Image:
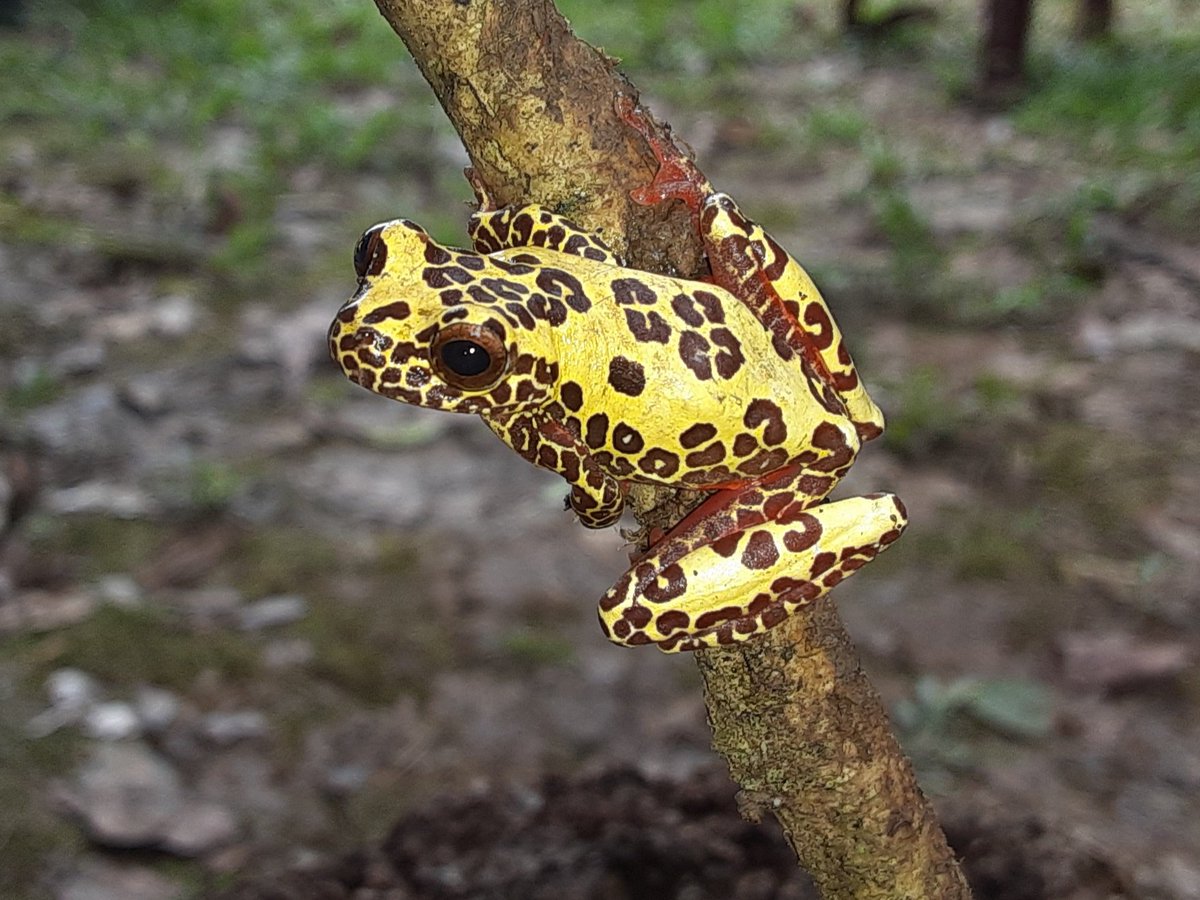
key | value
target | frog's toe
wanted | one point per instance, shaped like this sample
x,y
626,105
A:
x,y
720,215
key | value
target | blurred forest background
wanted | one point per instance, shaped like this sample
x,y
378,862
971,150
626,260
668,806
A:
x,y
250,614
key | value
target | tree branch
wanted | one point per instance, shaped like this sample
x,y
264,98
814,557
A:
x,y
804,733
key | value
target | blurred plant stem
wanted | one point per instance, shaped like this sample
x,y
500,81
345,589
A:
x,y
803,731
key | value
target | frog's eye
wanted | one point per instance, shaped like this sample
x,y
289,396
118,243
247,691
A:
x,y
467,356
370,253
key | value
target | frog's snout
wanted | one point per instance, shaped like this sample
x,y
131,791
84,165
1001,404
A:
x,y
360,350
340,337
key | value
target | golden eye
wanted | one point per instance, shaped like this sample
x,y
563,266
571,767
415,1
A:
x,y
470,357
370,253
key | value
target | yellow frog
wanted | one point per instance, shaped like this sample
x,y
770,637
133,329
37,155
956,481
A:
x,y
609,375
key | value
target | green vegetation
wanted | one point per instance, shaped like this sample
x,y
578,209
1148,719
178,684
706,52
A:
x,y
29,832
687,38
529,648
212,486
214,102
274,560
992,544
88,547
945,726
133,76
916,259
1060,234
356,648
371,636
367,648
39,389
1075,478
383,641
128,647
1097,481
218,88
923,413
1132,107
836,123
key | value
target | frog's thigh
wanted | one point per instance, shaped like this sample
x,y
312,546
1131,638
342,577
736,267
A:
x,y
748,581
534,226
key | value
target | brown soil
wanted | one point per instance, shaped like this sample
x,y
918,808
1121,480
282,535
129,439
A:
x,y
618,835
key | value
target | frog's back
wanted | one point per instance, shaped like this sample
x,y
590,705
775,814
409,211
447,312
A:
x,y
669,380
670,325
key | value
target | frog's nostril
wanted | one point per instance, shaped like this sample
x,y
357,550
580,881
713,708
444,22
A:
x,y
368,338
362,349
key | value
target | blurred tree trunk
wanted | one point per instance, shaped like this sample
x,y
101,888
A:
x,y
851,14
12,13
1002,55
803,731
1095,20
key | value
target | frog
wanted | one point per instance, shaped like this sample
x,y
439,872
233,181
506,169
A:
x,y
739,384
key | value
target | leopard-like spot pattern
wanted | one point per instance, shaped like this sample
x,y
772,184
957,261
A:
x,y
741,385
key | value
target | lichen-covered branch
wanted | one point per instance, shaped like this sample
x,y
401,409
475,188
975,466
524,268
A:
x,y
807,738
533,106
804,733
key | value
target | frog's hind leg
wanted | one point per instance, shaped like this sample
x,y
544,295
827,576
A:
x,y
491,230
736,573
749,263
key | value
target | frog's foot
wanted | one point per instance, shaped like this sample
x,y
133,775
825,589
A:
x,y
598,502
708,587
493,228
677,177
596,497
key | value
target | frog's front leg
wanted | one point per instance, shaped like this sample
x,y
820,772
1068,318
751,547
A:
x,y
596,497
747,565
491,229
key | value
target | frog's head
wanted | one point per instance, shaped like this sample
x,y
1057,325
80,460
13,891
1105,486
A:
x,y
411,332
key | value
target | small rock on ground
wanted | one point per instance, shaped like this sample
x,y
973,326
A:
x,y
96,879
126,795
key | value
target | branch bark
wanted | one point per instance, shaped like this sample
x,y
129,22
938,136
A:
x,y
803,732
